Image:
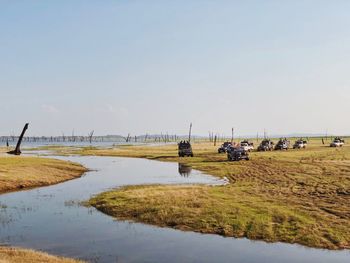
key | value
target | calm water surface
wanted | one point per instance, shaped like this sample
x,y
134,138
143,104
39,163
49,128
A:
x,y
50,219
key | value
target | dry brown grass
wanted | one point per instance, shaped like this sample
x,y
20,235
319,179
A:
x,y
20,172
17,255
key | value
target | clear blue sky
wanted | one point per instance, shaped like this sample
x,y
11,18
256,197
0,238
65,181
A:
x,y
154,66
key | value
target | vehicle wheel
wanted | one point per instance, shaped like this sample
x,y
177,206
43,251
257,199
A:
x,y
191,155
247,159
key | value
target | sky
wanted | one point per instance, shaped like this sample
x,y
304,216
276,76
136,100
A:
x,y
119,67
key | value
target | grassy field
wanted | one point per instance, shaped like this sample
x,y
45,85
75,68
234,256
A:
x,y
16,255
294,196
19,172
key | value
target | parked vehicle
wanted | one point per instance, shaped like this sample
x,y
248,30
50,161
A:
x,y
266,145
248,146
237,154
224,147
337,142
300,144
283,144
185,149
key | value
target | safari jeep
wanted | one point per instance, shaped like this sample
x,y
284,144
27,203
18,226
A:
x,y
283,144
224,147
337,142
248,146
266,145
237,154
300,144
185,149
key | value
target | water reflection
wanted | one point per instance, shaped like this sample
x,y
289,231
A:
x,y
185,170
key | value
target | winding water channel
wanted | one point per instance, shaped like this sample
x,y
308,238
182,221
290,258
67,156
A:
x,y
50,219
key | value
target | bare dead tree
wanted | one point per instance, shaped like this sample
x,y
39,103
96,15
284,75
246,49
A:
x,y
90,136
127,139
17,151
73,136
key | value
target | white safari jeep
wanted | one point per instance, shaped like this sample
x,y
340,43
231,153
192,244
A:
x,y
247,146
337,142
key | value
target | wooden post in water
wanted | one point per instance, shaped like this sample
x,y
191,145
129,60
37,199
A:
x,y
17,151
90,136
233,130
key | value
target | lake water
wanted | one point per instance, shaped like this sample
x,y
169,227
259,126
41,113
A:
x,y
51,219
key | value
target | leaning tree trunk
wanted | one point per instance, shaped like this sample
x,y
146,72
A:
x,y
17,151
